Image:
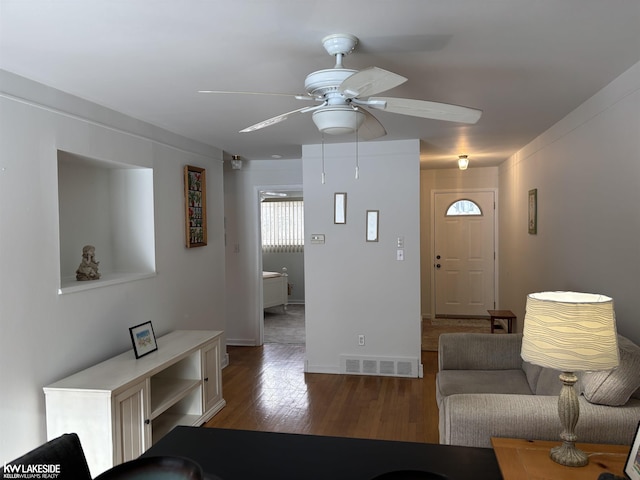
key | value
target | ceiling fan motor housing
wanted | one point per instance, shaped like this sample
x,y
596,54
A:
x,y
321,82
338,117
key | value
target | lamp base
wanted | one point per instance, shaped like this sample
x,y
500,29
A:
x,y
569,410
567,454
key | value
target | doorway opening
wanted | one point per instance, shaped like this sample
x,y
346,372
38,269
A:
x,y
281,253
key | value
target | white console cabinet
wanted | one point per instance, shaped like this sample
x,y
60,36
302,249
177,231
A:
x,y
121,406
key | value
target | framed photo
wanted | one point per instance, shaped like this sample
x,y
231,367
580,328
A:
x,y
195,202
372,225
340,208
143,339
533,211
632,466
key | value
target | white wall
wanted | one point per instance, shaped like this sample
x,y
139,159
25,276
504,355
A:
x,y
587,172
243,266
45,336
354,287
443,179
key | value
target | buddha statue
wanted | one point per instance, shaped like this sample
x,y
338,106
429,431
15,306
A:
x,y
88,269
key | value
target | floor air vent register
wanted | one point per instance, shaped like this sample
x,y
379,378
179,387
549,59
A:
x,y
397,367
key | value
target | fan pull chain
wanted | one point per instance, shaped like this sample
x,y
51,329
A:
x,y
357,161
323,174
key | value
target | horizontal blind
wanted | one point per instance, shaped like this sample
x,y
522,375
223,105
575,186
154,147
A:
x,y
282,226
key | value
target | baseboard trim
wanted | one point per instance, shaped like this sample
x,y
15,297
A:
x,y
240,342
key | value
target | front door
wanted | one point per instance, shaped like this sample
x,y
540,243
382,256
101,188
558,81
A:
x,y
464,262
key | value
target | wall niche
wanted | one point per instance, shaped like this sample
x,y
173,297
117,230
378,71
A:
x,y
108,205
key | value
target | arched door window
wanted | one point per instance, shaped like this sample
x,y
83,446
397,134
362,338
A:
x,y
463,208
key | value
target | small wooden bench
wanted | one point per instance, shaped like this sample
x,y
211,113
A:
x,y
502,315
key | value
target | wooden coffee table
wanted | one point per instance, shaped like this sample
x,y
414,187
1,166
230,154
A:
x,y
529,460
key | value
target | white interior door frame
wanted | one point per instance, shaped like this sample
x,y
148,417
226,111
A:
x,y
259,190
432,247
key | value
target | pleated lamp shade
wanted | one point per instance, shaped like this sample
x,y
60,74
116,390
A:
x,y
570,331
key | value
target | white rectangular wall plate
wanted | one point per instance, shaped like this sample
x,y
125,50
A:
x,y
317,238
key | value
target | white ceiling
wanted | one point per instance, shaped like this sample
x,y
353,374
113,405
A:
x,y
525,63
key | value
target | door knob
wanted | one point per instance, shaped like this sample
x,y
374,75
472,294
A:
x,y
437,265
438,257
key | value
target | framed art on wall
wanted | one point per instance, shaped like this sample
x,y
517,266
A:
x,y
340,208
143,339
195,200
372,225
533,211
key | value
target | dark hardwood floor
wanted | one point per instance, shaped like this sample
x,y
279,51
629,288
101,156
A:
x,y
266,389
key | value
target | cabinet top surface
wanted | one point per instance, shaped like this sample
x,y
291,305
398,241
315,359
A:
x,y
124,369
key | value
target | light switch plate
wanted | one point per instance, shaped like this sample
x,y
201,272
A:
x,y
317,238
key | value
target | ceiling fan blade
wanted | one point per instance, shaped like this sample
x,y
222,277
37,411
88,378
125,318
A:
x,y
229,92
370,81
280,118
371,128
271,121
425,109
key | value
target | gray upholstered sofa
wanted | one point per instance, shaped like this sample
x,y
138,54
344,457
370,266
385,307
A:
x,y
484,390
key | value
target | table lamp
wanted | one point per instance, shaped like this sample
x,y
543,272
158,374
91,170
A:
x,y
569,332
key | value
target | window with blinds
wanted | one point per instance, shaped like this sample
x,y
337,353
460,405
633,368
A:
x,y
282,225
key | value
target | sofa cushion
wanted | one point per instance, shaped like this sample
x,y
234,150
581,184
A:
x,y
549,382
452,382
615,387
532,372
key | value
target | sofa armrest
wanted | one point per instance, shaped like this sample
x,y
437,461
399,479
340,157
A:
x,y
472,419
479,351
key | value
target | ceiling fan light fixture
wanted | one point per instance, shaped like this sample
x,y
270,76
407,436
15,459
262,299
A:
x,y
338,120
463,162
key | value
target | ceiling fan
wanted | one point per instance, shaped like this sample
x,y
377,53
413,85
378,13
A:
x,y
344,93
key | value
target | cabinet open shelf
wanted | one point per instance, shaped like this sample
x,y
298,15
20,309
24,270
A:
x,y
165,423
166,392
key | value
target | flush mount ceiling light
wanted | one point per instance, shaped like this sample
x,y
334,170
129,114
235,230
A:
x,y
463,162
